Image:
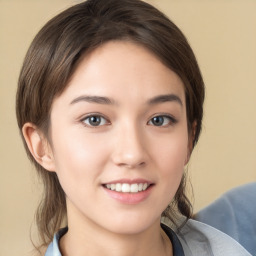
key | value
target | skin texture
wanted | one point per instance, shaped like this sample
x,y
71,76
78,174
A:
x,y
126,144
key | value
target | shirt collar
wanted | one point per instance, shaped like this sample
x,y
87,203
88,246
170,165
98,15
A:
x,y
53,248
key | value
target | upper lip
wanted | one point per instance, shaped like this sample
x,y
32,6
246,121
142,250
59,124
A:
x,y
129,181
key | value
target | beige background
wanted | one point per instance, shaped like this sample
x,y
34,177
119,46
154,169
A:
x,y
223,36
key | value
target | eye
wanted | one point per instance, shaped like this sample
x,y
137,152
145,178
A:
x,y
162,121
95,120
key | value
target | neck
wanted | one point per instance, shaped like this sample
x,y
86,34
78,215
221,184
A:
x,y
89,239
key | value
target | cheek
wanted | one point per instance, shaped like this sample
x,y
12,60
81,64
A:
x,y
79,163
171,159
78,157
172,153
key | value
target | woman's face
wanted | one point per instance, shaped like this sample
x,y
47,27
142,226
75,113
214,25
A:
x,y
120,139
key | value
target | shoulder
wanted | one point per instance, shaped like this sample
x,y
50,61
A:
x,y
226,215
200,239
230,203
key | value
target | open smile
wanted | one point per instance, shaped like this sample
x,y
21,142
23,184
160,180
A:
x,y
128,191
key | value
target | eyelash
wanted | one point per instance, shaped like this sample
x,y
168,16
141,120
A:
x,y
99,118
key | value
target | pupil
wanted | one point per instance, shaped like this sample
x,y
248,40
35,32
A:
x,y
94,120
158,120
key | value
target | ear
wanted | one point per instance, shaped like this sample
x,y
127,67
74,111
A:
x,y
191,141
38,146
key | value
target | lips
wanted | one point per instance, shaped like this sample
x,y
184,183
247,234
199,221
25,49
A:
x,y
128,191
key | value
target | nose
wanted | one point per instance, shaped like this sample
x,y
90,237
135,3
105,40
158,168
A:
x,y
129,148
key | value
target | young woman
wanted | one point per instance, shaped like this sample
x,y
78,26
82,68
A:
x,y
109,103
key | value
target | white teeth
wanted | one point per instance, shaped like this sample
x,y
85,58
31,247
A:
x,y
128,188
118,187
125,188
134,188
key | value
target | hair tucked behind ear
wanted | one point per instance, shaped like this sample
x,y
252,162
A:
x,y
57,50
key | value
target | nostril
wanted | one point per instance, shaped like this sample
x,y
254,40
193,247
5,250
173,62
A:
x,y
132,165
139,164
142,164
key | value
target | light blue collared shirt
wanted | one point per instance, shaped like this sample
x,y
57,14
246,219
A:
x,y
53,248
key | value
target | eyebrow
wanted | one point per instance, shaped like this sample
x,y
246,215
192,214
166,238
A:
x,y
94,99
109,101
165,98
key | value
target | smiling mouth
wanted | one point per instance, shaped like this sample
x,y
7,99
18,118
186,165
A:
x,y
127,188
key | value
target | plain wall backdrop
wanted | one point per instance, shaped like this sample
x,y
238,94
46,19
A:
x,y
222,34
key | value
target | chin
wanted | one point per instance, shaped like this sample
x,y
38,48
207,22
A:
x,y
132,225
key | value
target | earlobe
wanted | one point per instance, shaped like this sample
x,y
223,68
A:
x,y
38,146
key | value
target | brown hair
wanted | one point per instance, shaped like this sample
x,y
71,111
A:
x,y
55,53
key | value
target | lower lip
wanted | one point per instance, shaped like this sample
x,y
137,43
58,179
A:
x,y
129,198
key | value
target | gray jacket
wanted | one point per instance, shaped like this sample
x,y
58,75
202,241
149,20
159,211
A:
x,y
199,239
234,213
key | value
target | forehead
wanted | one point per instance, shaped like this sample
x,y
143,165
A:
x,y
120,66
